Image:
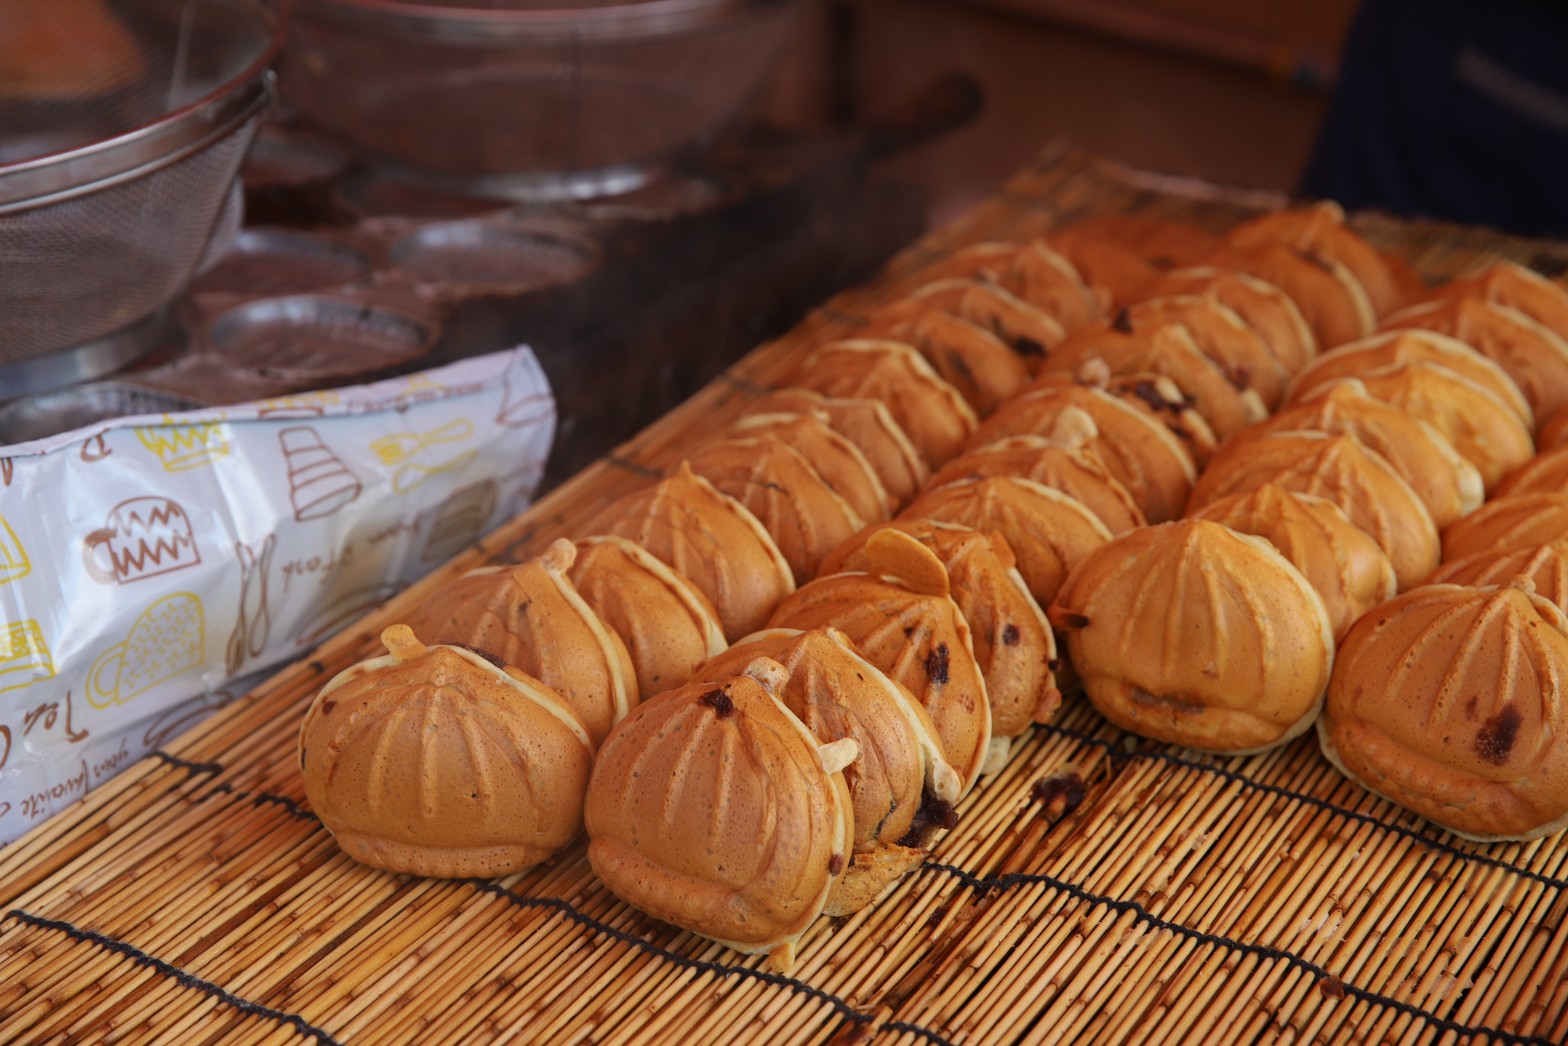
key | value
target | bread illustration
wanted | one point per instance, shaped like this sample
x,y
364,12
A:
x,y
24,656
319,483
166,641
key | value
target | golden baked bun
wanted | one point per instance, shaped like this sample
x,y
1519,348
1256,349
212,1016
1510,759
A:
x,y
977,363
1027,329
1191,633
1164,243
1320,230
1222,335
804,515
712,807
1391,348
842,465
1048,531
1544,566
1529,352
532,617
900,772
1152,394
1547,472
1148,459
901,618
709,538
869,425
1013,644
1553,431
1264,307
433,761
1067,462
1341,561
1445,482
1471,735
1509,283
1116,275
1509,522
1340,469
1039,275
935,417
1169,351
667,624
1331,299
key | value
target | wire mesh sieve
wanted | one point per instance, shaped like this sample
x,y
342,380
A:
x,y
122,126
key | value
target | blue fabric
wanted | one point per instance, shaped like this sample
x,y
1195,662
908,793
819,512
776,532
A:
x,y
1454,109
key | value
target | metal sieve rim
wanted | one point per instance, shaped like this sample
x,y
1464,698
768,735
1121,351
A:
x,y
650,19
45,180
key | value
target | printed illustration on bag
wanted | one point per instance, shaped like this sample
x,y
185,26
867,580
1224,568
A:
x,y
343,609
95,448
24,656
173,721
180,448
319,482
253,623
166,641
459,521
13,557
522,403
143,537
416,456
7,471
301,405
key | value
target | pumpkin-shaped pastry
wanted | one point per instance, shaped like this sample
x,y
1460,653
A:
x,y
1154,395
1026,329
1013,644
1392,348
1223,336
900,772
869,425
1116,275
433,761
532,617
806,517
712,807
1169,351
1191,633
1547,473
841,464
1067,462
1509,522
709,538
667,624
1509,283
1163,242
1448,701
1320,230
1264,307
1048,531
1045,279
977,363
935,417
902,619
1342,562
1446,483
1340,469
1148,459
1544,566
1529,352
1331,299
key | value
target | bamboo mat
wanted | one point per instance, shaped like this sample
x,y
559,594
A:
x,y
1100,888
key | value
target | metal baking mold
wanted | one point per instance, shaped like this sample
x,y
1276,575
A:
x,y
494,255
48,413
279,261
327,339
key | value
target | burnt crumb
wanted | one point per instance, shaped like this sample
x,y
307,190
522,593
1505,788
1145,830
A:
x,y
317,666
1181,432
327,706
304,758
1497,736
936,664
1027,347
961,366
1064,790
1071,619
1055,664
835,864
1122,321
1010,635
1332,988
719,701
1149,393
934,813
935,918
484,654
1316,259
1239,377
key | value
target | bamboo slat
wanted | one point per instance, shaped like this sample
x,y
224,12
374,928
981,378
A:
x,y
1184,898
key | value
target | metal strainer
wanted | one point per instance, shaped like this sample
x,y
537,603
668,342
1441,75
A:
x,y
122,127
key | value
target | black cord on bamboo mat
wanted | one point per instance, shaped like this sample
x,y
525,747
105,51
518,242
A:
x,y
1120,754
636,469
185,978
986,883
186,764
776,980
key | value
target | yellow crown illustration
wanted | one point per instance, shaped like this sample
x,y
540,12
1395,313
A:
x,y
304,404
13,557
24,656
181,447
